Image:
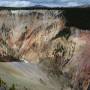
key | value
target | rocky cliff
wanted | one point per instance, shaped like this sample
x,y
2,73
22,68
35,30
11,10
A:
x,y
24,33
40,36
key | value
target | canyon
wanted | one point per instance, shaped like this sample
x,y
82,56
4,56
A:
x,y
45,49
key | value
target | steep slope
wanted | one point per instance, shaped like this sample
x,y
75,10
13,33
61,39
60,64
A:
x,y
60,53
24,33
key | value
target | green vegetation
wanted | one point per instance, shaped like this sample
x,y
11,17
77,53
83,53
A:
x,y
12,87
4,85
2,82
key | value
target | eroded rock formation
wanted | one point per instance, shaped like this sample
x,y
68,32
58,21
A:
x,y
41,36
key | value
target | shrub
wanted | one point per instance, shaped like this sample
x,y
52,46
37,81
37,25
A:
x,y
12,87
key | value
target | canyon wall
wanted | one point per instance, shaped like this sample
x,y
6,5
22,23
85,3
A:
x,y
24,33
41,36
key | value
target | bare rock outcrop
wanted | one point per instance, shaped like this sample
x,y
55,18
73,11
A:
x,y
41,36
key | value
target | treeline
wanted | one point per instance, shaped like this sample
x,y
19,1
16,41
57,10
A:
x,y
44,7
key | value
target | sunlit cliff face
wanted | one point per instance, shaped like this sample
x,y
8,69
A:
x,y
42,36
28,32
